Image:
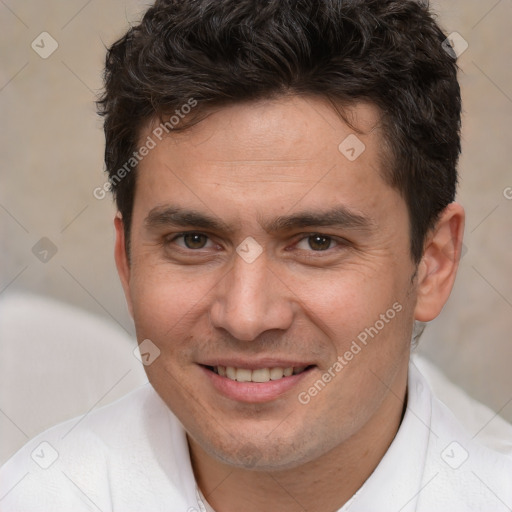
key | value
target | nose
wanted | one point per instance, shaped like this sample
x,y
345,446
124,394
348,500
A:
x,y
250,300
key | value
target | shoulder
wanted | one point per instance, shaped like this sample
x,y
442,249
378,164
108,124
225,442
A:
x,y
469,460
106,459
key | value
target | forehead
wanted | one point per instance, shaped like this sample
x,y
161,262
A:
x,y
279,127
269,153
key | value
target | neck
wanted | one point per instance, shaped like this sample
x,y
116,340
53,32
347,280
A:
x,y
324,484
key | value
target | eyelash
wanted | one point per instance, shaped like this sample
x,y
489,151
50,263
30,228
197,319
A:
x,y
340,242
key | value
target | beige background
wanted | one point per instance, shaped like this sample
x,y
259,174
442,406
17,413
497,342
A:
x,y
52,146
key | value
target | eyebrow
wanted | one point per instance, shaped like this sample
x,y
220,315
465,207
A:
x,y
338,217
178,217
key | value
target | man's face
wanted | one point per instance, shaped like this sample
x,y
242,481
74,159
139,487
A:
x,y
327,262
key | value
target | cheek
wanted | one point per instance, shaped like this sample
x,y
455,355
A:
x,y
165,302
350,299
368,325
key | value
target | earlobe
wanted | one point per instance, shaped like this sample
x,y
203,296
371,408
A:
x,y
121,258
439,264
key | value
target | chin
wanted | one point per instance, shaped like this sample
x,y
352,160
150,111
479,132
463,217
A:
x,y
278,454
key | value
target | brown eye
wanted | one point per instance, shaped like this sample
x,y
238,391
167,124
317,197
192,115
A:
x,y
195,240
319,242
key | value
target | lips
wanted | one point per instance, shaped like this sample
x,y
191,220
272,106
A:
x,y
264,381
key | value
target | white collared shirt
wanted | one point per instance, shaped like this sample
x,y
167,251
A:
x,y
132,456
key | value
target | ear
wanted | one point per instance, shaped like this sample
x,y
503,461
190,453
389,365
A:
x,y
439,264
122,263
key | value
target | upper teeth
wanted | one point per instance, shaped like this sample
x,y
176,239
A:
x,y
259,375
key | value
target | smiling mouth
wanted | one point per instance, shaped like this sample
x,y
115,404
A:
x,y
259,375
